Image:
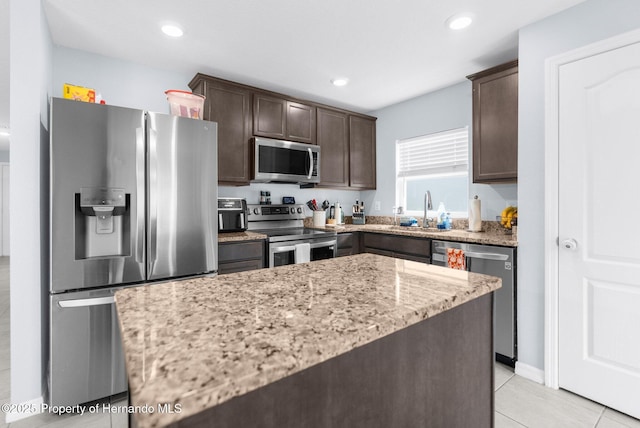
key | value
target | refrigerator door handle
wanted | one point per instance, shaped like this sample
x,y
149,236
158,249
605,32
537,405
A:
x,y
82,303
153,199
140,192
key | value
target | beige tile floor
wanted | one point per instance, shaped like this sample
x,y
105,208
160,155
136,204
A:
x,y
519,402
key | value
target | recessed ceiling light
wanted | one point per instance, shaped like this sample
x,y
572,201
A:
x,y
172,30
340,81
459,21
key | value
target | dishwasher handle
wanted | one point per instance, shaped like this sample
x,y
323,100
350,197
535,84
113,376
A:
x,y
486,256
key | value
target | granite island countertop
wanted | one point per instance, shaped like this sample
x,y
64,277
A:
x,y
200,342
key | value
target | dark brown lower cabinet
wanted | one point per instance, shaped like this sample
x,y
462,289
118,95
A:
x,y
240,256
436,373
401,247
348,244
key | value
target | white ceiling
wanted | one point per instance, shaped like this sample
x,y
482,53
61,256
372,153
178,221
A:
x,y
389,51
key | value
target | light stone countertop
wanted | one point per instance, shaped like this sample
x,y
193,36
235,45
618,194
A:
x,y
489,237
201,342
240,236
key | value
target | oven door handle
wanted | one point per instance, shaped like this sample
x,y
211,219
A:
x,y
323,244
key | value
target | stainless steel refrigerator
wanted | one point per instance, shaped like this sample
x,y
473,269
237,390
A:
x,y
133,199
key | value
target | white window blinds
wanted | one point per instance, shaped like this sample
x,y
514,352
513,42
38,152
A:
x,y
440,153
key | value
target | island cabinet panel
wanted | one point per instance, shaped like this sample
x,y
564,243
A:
x,y
240,256
229,105
495,124
436,373
416,249
348,244
333,139
362,152
275,117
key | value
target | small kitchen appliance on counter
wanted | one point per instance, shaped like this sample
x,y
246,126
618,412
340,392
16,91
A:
x,y
289,242
232,215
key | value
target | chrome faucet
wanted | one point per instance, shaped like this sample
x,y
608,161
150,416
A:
x,y
428,205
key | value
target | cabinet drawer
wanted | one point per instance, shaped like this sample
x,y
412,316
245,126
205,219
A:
x,y
379,252
398,244
234,251
239,266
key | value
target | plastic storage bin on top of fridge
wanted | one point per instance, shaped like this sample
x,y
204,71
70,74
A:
x,y
185,104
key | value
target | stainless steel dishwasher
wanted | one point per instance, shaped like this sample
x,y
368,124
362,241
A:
x,y
495,261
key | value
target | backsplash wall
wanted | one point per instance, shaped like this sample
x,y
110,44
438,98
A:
x,y
251,193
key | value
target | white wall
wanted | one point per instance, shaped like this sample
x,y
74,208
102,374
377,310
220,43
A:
x,y
445,109
586,23
120,83
30,71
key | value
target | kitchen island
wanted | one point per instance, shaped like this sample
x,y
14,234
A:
x,y
364,340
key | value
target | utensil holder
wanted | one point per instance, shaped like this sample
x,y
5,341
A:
x,y
319,218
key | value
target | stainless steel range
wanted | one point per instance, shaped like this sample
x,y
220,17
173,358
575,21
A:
x,y
289,242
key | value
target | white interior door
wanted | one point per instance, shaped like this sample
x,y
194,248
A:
x,y
599,206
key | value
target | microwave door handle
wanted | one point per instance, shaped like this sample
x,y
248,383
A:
x,y
310,163
220,222
241,220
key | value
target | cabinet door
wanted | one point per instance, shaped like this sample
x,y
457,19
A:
x,y
269,116
333,139
362,152
495,126
301,123
230,106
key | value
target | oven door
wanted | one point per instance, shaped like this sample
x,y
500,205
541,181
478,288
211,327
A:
x,y
294,252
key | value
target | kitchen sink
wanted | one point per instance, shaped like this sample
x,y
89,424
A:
x,y
418,229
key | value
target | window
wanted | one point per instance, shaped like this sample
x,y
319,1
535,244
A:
x,y
436,162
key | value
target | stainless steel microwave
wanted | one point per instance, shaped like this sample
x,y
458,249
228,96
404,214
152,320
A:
x,y
285,161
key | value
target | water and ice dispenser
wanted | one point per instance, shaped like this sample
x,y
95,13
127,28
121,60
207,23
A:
x,y
102,222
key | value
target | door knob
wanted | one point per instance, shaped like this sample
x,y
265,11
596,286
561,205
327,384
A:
x,y
570,244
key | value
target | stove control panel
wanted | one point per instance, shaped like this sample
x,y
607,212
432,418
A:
x,y
275,212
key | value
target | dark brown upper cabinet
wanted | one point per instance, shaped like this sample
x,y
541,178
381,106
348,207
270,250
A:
x,y
362,152
229,105
333,139
495,124
347,139
275,117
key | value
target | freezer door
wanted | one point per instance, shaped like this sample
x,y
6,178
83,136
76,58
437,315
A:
x,y
86,361
182,196
97,173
